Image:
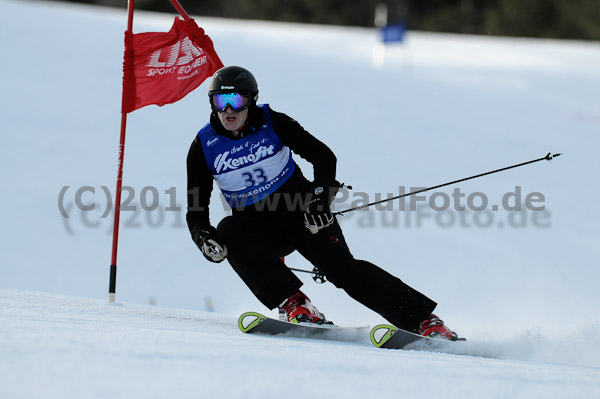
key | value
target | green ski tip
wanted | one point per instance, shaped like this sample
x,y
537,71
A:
x,y
249,320
381,333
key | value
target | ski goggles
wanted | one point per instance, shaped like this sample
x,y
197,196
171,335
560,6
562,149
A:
x,y
238,102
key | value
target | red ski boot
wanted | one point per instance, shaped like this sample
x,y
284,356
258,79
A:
x,y
298,309
434,327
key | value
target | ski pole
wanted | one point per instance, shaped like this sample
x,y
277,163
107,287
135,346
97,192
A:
x,y
316,274
548,157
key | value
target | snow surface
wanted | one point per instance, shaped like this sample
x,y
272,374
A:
x,y
522,288
55,346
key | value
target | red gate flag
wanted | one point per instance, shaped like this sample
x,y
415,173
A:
x,y
163,67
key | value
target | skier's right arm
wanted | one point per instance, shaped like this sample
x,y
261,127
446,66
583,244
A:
x,y
199,189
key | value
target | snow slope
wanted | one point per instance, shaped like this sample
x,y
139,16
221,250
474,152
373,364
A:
x,y
522,286
56,346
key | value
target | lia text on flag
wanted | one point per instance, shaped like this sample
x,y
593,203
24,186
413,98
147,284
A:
x,y
163,67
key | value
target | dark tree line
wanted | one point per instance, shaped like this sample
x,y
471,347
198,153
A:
x,y
563,19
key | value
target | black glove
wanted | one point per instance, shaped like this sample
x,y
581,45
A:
x,y
210,246
318,214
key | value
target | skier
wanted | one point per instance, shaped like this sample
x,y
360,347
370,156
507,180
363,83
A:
x,y
247,149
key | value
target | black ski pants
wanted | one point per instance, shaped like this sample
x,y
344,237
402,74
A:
x,y
256,241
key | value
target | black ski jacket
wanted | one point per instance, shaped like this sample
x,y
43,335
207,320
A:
x,y
291,134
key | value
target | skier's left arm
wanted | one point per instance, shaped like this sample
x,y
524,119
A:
x,y
317,214
301,142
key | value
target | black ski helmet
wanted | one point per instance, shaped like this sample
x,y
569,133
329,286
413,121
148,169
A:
x,y
234,79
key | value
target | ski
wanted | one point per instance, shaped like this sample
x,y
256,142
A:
x,y
390,337
256,323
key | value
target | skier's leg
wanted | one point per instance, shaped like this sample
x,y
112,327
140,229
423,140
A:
x,y
255,248
370,285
